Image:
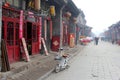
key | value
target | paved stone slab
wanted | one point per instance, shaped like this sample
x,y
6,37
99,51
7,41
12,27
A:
x,y
100,62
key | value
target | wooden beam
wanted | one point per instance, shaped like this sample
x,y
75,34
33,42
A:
x,y
4,56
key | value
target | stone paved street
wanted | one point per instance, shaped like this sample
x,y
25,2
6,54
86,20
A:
x,y
101,62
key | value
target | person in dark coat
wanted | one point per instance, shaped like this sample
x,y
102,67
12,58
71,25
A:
x,y
96,40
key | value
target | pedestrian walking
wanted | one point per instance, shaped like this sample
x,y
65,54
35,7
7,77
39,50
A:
x,y
96,40
112,41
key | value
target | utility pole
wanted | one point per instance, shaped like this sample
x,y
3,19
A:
x,y
61,27
0,30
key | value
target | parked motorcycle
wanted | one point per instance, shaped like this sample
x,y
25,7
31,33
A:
x,y
62,64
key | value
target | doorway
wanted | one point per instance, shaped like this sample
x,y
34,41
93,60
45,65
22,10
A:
x,y
29,37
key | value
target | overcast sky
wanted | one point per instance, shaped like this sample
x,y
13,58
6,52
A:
x,y
100,14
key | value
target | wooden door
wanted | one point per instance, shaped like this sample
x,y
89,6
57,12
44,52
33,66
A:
x,y
11,35
35,42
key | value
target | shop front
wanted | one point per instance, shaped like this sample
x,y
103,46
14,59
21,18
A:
x,y
10,29
30,30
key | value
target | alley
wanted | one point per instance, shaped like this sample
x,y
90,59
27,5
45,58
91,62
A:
x,y
101,62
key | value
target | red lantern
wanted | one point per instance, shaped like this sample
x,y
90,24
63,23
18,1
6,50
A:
x,y
7,4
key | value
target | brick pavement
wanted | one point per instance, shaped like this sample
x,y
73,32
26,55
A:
x,y
105,63
100,62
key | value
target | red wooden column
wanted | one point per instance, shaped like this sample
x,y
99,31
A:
x,y
39,31
21,25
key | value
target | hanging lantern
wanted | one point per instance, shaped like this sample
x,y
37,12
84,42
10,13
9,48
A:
x,y
31,4
68,14
75,20
7,4
37,4
52,10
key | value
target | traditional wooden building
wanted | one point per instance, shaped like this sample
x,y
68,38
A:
x,y
114,31
52,20
64,24
23,19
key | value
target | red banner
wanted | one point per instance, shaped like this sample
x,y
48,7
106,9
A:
x,y
21,25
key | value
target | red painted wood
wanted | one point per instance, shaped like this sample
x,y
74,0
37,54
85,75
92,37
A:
x,y
21,25
35,42
55,43
11,38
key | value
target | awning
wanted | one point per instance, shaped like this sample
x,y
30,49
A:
x,y
72,8
58,2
